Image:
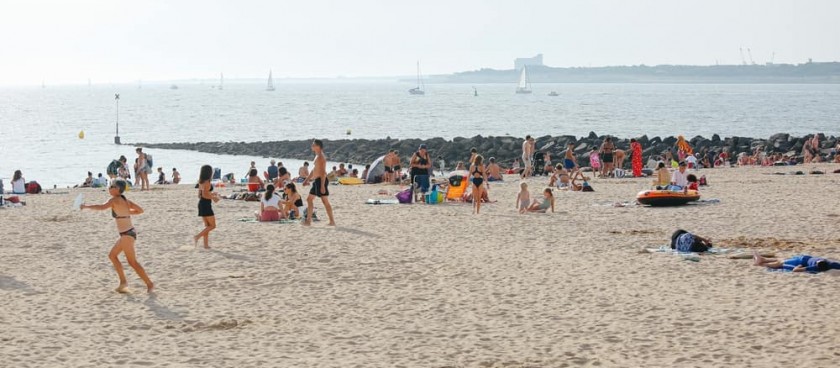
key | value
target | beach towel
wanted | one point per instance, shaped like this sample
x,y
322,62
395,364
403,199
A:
x,y
282,221
382,201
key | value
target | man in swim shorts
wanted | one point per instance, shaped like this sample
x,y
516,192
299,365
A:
x,y
569,161
527,153
320,189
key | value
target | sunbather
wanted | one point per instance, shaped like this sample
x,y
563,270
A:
x,y
685,241
798,263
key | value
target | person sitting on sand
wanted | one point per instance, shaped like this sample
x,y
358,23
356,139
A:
x,y
544,204
342,172
515,167
283,177
88,181
101,181
684,241
121,210
365,173
663,176
560,178
354,173
333,175
161,177
18,183
272,171
798,263
176,176
583,186
254,181
494,171
523,198
303,172
692,182
679,178
269,206
293,202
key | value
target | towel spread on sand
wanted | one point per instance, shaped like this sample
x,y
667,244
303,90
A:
x,y
283,221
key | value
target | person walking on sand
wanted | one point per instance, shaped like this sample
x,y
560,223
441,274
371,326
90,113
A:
x,y
122,209
206,197
320,184
527,154
477,174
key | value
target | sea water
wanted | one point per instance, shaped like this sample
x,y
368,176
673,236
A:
x,y
40,126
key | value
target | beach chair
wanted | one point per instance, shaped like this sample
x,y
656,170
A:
x,y
458,183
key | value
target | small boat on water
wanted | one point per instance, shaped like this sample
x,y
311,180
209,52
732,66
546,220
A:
x,y
270,86
554,94
524,84
420,86
174,86
665,198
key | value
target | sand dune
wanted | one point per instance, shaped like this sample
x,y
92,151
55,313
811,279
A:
x,y
428,285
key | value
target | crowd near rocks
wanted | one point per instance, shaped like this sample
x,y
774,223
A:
x,y
504,148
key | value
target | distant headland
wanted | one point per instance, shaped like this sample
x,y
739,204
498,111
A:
x,y
810,72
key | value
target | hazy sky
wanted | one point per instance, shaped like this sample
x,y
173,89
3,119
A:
x,y
69,41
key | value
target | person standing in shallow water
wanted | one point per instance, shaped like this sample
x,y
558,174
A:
x,y
206,197
122,209
320,184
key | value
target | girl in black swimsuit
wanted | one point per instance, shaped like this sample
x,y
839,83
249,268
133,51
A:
x,y
121,211
293,201
206,197
477,173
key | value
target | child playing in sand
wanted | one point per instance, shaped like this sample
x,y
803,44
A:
x,y
692,182
523,198
122,209
594,160
546,203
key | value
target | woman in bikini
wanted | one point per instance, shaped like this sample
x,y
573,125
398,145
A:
x,y
121,210
293,201
206,197
477,173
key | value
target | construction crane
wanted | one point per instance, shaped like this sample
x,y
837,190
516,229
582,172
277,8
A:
x,y
749,52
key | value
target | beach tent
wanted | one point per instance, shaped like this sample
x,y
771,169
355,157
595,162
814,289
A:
x,y
377,169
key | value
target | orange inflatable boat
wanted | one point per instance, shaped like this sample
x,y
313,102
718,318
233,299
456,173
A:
x,y
662,198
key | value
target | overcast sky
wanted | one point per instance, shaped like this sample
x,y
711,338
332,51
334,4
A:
x,y
116,41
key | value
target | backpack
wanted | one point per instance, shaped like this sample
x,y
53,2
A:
x,y
114,167
33,187
150,161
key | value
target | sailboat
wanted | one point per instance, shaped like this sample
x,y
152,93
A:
x,y
419,89
270,86
222,82
524,85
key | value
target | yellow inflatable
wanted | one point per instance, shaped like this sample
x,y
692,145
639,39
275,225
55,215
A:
x,y
82,134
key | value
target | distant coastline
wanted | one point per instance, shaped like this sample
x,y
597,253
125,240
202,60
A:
x,y
811,72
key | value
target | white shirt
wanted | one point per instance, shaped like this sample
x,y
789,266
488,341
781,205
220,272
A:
x,y
19,186
679,178
691,159
274,201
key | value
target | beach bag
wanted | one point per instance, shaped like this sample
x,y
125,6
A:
x,y
114,168
619,173
33,187
405,196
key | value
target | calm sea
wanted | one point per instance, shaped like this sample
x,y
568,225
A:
x,y
40,126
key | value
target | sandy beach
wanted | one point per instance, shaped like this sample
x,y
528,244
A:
x,y
429,285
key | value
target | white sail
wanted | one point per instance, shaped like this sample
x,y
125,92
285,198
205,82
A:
x,y
222,81
270,86
524,85
419,90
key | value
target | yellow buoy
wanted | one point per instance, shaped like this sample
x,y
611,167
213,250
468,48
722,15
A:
x,y
82,134
349,132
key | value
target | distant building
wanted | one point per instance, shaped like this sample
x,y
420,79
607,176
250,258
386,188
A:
x,y
518,63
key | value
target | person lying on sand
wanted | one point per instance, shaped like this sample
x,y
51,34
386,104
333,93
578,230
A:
x,y
582,187
684,241
798,263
